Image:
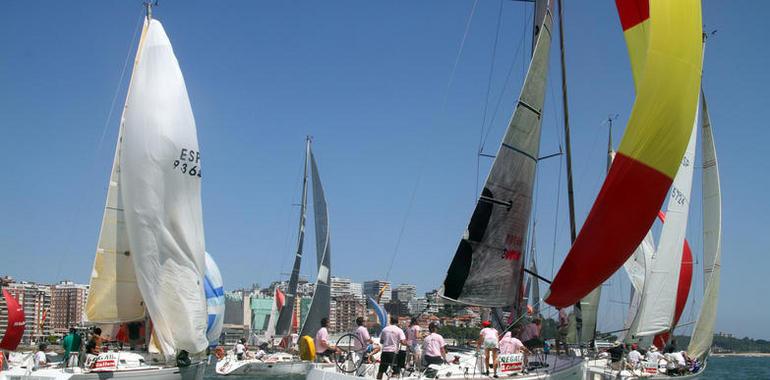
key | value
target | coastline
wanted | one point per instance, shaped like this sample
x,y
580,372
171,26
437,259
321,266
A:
x,y
743,354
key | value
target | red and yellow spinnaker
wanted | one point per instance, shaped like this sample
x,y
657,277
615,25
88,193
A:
x,y
666,54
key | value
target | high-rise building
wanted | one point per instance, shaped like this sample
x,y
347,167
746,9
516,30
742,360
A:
x,y
405,293
344,286
68,301
344,311
373,288
35,299
237,321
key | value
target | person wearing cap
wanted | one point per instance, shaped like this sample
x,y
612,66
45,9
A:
x,y
634,357
616,355
654,356
488,338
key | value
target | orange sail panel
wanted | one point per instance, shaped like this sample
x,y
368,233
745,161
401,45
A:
x,y
15,329
649,155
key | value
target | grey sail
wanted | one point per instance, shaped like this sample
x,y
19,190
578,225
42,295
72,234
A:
x,y
283,326
319,306
488,264
703,333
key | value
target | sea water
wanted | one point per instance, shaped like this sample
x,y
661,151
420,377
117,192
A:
x,y
719,368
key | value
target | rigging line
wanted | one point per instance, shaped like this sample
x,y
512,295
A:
x,y
441,111
117,89
290,237
94,166
506,84
556,217
486,100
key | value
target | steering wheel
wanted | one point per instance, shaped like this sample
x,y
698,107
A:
x,y
348,361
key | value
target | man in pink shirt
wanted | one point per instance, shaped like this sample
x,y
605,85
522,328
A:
x,y
365,344
530,335
390,338
324,350
510,345
435,351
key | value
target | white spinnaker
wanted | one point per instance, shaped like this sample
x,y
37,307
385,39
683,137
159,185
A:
x,y
113,295
703,333
656,312
636,268
160,180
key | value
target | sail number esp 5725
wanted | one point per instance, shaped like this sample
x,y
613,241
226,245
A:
x,y
188,162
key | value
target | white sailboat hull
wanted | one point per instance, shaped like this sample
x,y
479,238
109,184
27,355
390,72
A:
x,y
192,372
599,370
560,368
256,367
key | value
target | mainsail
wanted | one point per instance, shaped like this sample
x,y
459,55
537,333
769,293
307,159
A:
x,y
215,300
113,295
651,150
319,306
656,313
14,330
487,266
160,177
703,333
287,316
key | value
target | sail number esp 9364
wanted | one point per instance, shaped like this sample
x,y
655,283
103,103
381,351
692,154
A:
x,y
188,162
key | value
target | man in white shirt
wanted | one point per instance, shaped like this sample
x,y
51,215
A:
x,y
40,359
634,357
654,356
240,348
390,338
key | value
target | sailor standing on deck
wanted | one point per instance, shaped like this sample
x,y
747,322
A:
x,y
413,341
390,337
488,338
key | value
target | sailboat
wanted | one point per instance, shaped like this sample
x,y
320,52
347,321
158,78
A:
x,y
488,265
282,362
150,258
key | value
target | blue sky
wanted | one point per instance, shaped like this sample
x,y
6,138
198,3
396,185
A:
x,y
395,123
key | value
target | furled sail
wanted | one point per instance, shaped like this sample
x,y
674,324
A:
x,y
215,300
656,313
160,180
487,266
286,318
703,333
650,153
113,294
14,330
319,306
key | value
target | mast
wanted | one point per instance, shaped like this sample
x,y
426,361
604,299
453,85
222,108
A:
x,y
568,152
285,317
609,144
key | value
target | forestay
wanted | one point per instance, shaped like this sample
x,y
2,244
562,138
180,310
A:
x,y
113,295
287,316
488,264
160,181
703,333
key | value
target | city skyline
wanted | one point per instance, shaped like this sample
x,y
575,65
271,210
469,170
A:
x,y
396,111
